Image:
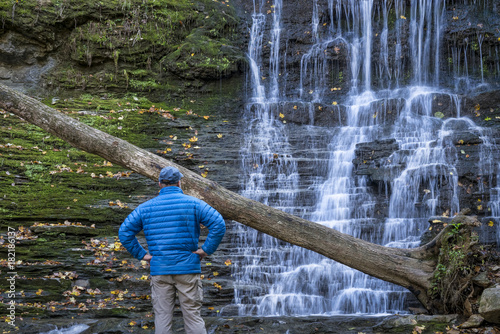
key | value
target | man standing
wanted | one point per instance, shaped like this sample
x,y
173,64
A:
x,y
171,223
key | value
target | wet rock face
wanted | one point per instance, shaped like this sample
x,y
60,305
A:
x,y
465,145
23,61
468,42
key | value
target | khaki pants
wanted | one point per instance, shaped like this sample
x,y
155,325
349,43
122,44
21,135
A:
x,y
189,289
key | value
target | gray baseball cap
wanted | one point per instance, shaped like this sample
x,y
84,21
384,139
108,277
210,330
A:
x,y
170,175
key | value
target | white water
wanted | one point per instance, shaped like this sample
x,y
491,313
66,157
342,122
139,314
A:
x,y
75,329
308,170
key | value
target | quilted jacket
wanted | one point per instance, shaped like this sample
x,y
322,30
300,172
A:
x,y
171,223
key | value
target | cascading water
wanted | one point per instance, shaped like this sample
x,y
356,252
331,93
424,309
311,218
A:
x,y
308,170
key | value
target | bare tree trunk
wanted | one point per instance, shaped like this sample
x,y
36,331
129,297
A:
x,y
410,268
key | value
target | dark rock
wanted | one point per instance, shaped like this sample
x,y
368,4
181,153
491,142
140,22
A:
x,y
489,305
474,321
372,160
482,280
436,225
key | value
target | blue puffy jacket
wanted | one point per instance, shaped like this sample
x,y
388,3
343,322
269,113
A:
x,y
171,223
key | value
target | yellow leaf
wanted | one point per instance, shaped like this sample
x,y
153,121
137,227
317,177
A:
x,y
215,273
334,103
479,207
228,262
206,117
208,264
132,323
204,174
219,135
491,223
193,139
294,107
455,17
403,17
282,116
192,54
201,166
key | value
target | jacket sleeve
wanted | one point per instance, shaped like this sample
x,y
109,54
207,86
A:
x,y
128,230
216,225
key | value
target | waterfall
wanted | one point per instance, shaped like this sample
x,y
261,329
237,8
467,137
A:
x,y
308,169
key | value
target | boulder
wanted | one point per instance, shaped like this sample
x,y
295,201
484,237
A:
x,y
474,321
482,280
489,305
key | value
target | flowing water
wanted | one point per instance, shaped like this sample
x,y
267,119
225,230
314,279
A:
x,y
308,170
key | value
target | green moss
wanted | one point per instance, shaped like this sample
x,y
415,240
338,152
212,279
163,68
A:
x,y
106,38
42,177
202,56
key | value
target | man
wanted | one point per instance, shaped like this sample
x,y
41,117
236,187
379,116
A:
x,y
171,223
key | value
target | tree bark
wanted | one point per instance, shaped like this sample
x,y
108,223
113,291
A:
x,y
410,268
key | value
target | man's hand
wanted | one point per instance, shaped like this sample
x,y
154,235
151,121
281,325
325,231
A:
x,y
201,253
147,257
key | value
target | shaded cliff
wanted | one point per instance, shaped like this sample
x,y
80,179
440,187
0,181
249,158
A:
x,y
168,47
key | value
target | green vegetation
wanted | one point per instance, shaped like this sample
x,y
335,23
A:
x,y
131,45
458,262
42,177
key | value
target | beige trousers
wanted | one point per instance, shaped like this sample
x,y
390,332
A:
x,y
190,292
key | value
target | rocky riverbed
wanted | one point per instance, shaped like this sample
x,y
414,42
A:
x,y
272,325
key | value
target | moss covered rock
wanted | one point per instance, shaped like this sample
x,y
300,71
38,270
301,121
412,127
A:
x,y
133,45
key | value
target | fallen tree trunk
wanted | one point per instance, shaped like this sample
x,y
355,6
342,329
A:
x,y
411,268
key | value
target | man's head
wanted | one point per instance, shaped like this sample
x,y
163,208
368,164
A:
x,y
169,176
